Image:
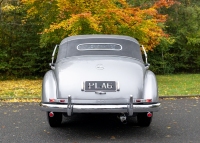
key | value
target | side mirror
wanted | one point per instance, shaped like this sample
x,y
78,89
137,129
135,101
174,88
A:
x,y
52,58
147,65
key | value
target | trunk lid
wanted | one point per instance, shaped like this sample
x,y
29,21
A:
x,y
72,72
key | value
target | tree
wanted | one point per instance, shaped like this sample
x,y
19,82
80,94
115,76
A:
x,y
184,27
30,28
19,42
75,17
179,53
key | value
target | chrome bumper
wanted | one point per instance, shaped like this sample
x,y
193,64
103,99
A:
x,y
129,108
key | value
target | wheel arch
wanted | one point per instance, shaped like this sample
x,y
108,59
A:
x,y
150,86
49,86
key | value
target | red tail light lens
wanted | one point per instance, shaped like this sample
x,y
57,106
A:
x,y
148,100
62,100
138,100
51,100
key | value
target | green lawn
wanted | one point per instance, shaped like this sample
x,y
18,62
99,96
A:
x,y
182,84
168,85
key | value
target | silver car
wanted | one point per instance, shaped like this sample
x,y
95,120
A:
x,y
100,74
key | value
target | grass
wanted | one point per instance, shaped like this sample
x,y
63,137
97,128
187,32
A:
x,y
178,85
20,89
168,85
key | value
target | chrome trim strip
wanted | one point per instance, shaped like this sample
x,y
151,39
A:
x,y
99,108
117,84
83,86
99,49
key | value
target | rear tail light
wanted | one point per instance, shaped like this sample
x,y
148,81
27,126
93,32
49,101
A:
x,y
62,100
57,100
143,100
138,100
51,100
148,100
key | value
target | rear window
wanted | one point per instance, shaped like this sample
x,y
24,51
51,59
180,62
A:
x,y
99,46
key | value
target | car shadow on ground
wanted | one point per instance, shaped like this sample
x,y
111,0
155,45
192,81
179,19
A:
x,y
102,124
98,120
102,127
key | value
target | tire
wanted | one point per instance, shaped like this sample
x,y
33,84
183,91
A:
x,y
56,120
143,120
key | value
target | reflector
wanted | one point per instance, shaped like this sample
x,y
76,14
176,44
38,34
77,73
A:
x,y
51,114
149,114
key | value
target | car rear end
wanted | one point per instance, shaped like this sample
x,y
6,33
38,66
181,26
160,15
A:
x,y
103,84
99,74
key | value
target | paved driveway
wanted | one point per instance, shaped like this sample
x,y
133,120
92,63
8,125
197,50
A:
x,y
178,121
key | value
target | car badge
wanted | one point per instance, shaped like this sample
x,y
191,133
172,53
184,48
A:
x,y
100,67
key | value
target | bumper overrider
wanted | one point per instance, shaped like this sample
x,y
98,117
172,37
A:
x,y
71,108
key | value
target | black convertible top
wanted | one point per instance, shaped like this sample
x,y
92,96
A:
x,y
70,46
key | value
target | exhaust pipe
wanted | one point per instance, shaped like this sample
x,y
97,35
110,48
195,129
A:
x,y
122,118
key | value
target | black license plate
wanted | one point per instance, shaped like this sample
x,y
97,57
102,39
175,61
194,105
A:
x,y
109,86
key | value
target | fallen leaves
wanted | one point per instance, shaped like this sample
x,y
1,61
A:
x,y
20,100
168,127
112,138
46,132
98,137
20,89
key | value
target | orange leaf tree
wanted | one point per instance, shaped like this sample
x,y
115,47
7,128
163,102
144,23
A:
x,y
62,18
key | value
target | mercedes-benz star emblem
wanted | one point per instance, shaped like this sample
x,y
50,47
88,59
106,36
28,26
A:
x,y
100,67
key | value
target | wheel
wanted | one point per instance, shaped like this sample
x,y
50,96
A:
x,y
143,120
56,120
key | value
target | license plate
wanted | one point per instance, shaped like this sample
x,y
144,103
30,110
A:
x,y
109,86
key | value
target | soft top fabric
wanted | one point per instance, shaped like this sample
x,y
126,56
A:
x,y
130,46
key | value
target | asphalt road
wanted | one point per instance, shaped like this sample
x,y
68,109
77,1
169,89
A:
x,y
178,121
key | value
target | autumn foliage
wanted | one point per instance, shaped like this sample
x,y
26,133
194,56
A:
x,y
74,17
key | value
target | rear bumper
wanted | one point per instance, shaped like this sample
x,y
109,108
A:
x,y
129,108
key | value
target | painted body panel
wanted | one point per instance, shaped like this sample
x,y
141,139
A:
x,y
150,86
49,86
71,73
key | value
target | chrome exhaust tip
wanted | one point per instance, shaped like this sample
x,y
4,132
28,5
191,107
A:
x,y
122,118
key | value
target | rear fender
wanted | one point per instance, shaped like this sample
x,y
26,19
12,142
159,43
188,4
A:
x,y
150,86
49,87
